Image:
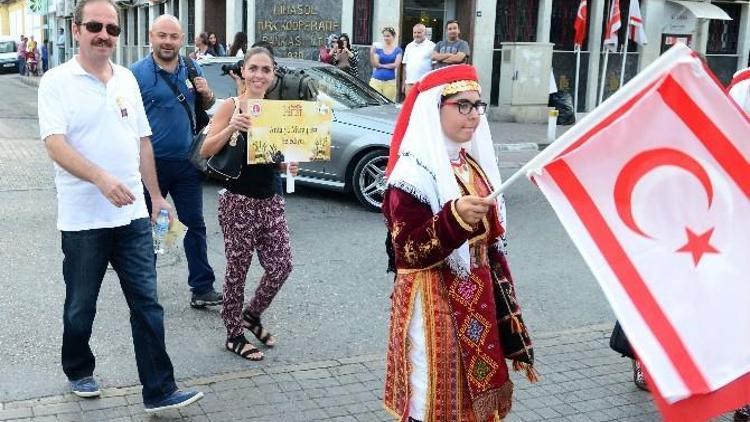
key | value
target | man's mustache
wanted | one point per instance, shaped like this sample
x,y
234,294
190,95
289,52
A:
x,y
100,42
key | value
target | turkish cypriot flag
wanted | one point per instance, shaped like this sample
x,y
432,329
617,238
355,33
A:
x,y
654,189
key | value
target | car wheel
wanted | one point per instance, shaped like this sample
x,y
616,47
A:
x,y
368,179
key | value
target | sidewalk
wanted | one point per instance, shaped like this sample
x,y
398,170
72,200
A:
x,y
581,380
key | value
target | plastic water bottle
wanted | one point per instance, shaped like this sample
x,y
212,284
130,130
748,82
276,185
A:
x,y
160,231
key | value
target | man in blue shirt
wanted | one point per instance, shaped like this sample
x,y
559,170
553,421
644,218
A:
x,y
172,118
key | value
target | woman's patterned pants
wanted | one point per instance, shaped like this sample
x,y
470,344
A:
x,y
251,224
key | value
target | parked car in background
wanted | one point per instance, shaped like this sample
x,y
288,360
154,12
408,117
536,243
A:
x,y
8,54
363,122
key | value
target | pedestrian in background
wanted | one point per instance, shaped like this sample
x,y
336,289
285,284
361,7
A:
x,y
201,47
417,57
45,56
100,145
239,45
344,56
163,76
60,45
215,47
452,50
251,215
385,59
324,51
21,55
31,45
446,241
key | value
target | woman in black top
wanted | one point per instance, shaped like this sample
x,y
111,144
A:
x,y
251,215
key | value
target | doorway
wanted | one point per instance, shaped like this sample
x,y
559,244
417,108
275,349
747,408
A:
x,y
430,13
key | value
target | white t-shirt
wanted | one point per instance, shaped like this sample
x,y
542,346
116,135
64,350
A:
x,y
418,60
103,123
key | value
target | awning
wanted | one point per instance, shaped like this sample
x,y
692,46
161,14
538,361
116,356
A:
x,y
703,10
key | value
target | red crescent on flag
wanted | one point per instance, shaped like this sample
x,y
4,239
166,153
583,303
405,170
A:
x,y
642,164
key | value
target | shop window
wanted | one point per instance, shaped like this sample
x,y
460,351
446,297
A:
x,y
125,30
723,35
515,21
430,13
561,28
146,24
136,40
191,22
362,27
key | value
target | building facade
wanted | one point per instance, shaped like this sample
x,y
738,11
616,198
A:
x,y
718,29
25,17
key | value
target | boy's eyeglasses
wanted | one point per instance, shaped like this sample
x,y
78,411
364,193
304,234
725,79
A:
x,y
96,27
465,106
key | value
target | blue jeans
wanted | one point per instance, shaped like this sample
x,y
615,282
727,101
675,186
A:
x,y
130,250
184,183
21,64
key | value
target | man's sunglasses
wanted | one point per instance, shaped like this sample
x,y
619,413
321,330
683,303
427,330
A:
x,y
465,106
96,27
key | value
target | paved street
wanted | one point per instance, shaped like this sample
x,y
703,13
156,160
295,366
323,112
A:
x,y
331,316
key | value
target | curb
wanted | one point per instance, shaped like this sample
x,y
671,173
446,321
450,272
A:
x,y
517,147
29,80
307,369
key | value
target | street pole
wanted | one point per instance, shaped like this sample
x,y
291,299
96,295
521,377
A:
x,y
578,74
606,56
604,74
625,48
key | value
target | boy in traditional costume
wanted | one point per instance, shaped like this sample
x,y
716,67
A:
x,y
454,318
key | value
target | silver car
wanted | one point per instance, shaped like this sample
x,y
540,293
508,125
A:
x,y
363,122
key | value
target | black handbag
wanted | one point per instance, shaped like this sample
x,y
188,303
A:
x,y
619,342
227,164
194,155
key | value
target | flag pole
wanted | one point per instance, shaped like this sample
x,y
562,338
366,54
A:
x,y
578,74
606,55
604,74
625,47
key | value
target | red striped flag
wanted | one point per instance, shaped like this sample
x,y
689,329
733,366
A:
x,y
614,23
580,24
635,24
653,188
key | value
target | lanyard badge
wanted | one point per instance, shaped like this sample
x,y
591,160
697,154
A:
x,y
122,106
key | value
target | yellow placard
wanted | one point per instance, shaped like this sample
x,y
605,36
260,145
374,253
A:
x,y
284,131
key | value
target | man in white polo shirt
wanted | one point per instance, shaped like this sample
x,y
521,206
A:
x,y
92,121
417,57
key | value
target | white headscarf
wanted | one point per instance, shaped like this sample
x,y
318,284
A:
x,y
424,169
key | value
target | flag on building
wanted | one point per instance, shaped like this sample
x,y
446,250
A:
x,y
579,26
614,23
636,32
653,188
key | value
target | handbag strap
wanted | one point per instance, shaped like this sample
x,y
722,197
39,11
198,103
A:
x,y
180,97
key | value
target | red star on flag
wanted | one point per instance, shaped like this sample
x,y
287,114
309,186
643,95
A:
x,y
698,245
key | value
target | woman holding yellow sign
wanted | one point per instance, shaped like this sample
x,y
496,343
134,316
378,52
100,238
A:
x,y
251,215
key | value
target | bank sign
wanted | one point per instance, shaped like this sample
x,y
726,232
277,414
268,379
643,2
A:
x,y
297,30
